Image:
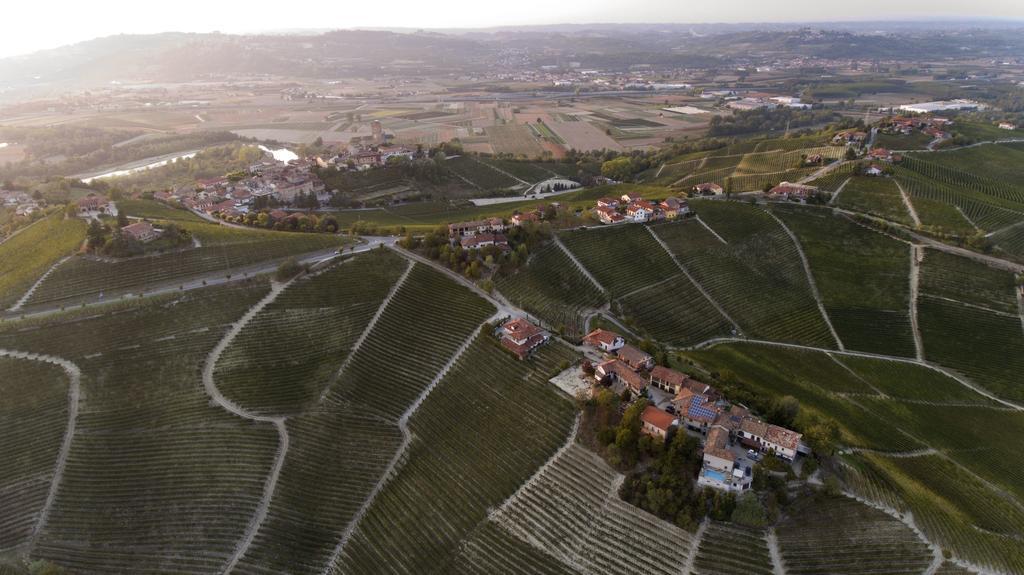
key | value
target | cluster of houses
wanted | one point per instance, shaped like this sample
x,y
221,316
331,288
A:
x,y
22,203
905,125
695,407
232,196
792,192
491,231
94,206
633,208
850,138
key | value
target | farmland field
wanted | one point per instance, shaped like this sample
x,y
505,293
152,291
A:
x,y
863,277
759,263
514,139
877,196
26,256
623,259
552,288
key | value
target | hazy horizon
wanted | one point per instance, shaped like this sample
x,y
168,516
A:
x,y
28,32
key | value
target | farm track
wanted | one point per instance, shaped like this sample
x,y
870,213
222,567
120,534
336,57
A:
x,y
810,279
396,459
693,280
715,341
879,392
908,204
1020,306
778,566
916,258
839,190
21,302
210,385
74,395
579,265
821,172
708,228
691,556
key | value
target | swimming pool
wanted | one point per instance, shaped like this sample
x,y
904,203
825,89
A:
x,y
716,475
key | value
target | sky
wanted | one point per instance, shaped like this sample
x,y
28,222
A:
x,y
31,26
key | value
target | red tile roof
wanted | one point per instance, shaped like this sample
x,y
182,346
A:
x,y
663,420
668,376
602,336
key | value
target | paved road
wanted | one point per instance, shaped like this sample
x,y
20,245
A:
x,y
219,277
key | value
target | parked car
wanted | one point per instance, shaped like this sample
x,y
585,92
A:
x,y
670,409
753,455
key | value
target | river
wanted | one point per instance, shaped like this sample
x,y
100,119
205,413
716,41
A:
x,y
126,171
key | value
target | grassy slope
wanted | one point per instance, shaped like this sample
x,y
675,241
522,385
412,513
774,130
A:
x,y
26,256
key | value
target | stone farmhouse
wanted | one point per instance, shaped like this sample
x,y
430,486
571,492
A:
x,y
522,337
142,232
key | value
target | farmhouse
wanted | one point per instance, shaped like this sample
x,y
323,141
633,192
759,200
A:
x,y
656,422
849,137
883,155
142,232
604,340
769,438
522,337
484,240
708,189
874,170
1007,126
640,211
696,411
463,229
629,198
609,216
615,370
92,206
520,219
788,191
635,358
718,468
674,207
667,379
608,203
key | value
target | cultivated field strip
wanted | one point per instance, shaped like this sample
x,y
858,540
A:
x,y
730,549
842,536
157,479
863,277
341,451
760,263
552,288
573,513
87,278
623,259
464,458
38,409
288,354
33,251
965,280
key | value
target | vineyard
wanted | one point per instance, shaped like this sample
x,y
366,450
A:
x,y
288,354
29,254
958,278
157,479
983,345
729,549
760,264
552,288
841,536
674,311
877,196
985,212
911,382
863,277
33,417
86,278
493,444
571,512
339,450
480,175
623,259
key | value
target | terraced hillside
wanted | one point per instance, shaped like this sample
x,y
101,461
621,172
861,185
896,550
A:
x,y
839,535
755,262
157,478
624,259
570,516
420,520
34,406
91,279
341,449
287,355
25,257
863,277
552,288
